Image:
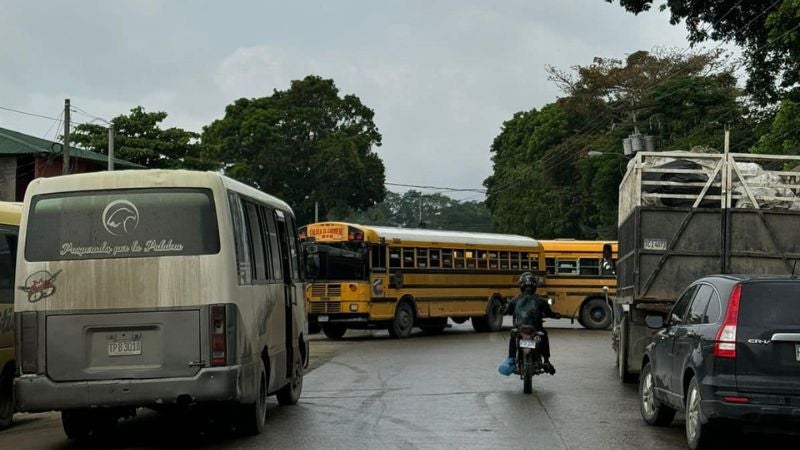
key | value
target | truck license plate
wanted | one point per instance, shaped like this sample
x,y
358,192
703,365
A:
x,y
124,348
527,343
322,318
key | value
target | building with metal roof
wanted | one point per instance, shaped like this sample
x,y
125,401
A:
x,y
24,158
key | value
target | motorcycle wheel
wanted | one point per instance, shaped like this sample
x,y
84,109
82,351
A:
x,y
527,384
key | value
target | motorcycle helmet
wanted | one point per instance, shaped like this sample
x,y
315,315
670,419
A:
x,y
527,280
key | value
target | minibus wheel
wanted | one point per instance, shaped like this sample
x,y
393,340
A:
x,y
6,397
253,416
77,424
290,394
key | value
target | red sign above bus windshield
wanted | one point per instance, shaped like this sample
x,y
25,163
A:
x,y
328,232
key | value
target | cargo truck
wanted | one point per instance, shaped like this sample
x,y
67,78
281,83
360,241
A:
x,y
685,215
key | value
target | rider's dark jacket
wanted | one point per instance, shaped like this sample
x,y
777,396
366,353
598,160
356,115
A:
x,y
530,309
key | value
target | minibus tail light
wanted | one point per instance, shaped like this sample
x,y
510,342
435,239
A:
x,y
219,343
28,341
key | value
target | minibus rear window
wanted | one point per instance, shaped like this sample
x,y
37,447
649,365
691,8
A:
x,y
125,223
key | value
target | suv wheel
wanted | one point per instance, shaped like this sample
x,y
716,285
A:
x,y
653,411
699,435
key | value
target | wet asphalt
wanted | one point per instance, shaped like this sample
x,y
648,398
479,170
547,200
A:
x,y
370,391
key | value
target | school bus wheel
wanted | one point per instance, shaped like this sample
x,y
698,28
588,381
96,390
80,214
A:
x,y
403,321
334,331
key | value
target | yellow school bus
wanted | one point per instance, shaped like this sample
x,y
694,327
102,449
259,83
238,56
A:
x,y
9,229
396,278
576,273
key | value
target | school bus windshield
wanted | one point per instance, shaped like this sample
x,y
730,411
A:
x,y
337,261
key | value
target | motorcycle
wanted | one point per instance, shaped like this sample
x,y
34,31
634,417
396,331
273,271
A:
x,y
529,357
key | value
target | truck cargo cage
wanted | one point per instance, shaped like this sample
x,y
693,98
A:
x,y
684,215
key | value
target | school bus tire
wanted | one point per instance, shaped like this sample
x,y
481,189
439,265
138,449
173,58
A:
x,y
489,322
403,321
334,331
595,314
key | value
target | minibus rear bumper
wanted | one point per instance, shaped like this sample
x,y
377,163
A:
x,y
37,393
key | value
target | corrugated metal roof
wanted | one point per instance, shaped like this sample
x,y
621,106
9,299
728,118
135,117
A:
x,y
14,143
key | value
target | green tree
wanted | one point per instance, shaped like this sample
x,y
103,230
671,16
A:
x,y
768,31
543,184
783,136
438,212
140,139
306,144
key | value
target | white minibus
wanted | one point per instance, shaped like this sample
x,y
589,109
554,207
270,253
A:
x,y
155,288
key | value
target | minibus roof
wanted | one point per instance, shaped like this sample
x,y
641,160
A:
x,y
152,178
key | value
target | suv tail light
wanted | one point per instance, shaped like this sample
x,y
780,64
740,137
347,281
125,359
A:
x,y
29,355
725,345
219,341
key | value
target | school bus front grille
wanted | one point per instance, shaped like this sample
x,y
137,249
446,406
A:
x,y
326,290
325,307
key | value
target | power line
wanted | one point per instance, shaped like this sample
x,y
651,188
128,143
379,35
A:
x,y
41,116
438,188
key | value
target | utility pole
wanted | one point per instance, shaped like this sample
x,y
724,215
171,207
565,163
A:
x,y
65,156
420,211
110,146
316,212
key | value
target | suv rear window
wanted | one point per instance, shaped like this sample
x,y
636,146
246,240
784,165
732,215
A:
x,y
124,223
770,303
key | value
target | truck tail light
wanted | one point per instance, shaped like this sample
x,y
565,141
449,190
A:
x,y
725,345
219,335
29,344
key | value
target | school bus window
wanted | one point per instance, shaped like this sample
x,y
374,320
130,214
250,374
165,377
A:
x,y
433,254
447,259
550,263
493,263
378,257
567,266
515,260
483,259
470,258
458,255
394,258
588,267
534,262
524,263
408,257
504,260
422,257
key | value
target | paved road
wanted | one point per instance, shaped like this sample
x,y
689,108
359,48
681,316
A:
x,y
425,392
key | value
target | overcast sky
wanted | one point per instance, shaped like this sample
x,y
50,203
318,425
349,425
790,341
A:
x,y
442,76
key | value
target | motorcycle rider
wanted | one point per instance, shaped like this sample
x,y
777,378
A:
x,y
530,309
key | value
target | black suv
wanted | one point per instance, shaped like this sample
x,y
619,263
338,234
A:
x,y
728,351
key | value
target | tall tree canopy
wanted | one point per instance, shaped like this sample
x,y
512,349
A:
x,y
768,31
306,144
140,139
438,212
544,185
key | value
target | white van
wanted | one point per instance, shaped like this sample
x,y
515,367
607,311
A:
x,y
153,288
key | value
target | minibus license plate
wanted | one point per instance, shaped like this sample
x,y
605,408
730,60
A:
x,y
322,318
124,348
527,343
